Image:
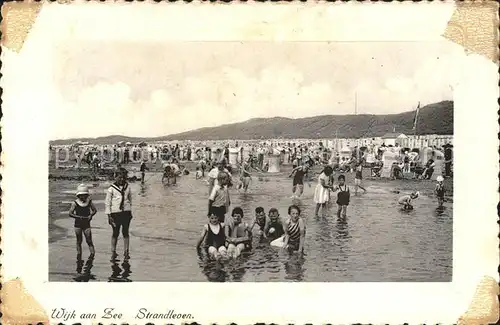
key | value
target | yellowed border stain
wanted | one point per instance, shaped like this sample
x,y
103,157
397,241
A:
x,y
18,18
474,26
484,307
19,307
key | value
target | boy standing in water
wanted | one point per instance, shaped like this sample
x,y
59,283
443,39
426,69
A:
x,y
82,210
358,178
118,204
238,236
439,191
343,197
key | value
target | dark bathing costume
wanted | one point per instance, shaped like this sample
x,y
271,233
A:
x,y
215,240
83,212
294,235
298,179
278,229
440,191
343,196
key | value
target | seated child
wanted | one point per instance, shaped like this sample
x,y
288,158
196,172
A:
x,y
199,173
214,236
238,236
405,200
274,228
260,220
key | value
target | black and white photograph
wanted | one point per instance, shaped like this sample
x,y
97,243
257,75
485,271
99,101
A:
x,y
253,161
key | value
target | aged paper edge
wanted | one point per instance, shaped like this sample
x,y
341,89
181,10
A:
x,y
20,307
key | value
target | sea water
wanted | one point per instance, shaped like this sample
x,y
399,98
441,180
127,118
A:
x,y
377,242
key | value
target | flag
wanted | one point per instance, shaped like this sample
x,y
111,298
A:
x,y
416,117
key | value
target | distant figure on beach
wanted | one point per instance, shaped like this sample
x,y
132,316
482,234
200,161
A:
x,y
118,204
358,179
143,169
82,210
439,190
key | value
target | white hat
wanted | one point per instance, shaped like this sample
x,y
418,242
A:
x,y
440,178
82,189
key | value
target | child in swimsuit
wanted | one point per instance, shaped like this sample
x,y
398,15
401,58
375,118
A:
x,y
260,220
238,236
440,190
82,210
343,196
298,174
214,236
274,228
295,231
405,200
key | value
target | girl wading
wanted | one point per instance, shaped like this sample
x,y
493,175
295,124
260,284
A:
x,y
119,210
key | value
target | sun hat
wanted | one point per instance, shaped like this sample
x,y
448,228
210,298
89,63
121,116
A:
x,y
82,189
416,193
440,178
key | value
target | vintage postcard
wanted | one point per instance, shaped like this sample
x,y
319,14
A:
x,y
331,163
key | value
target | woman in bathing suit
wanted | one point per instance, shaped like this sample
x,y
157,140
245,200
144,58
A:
x,y
295,231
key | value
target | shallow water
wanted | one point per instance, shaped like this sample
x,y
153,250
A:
x,y
377,242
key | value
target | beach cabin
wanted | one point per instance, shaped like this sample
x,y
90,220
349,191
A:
x,y
393,139
233,157
345,153
388,159
274,162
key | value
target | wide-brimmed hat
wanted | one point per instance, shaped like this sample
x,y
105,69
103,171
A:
x,y
440,178
82,189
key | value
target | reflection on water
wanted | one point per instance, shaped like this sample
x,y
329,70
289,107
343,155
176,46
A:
x,y
84,270
120,272
375,242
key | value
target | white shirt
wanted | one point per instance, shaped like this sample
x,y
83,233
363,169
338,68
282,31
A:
x,y
114,198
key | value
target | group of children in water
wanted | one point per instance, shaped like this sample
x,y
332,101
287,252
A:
x,y
228,237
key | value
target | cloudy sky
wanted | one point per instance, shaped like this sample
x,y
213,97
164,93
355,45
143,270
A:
x,y
159,88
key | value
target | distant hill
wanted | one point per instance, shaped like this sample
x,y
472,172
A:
x,y
433,119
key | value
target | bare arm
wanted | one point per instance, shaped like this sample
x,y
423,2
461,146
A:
x,y
202,237
93,210
72,210
287,236
302,235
